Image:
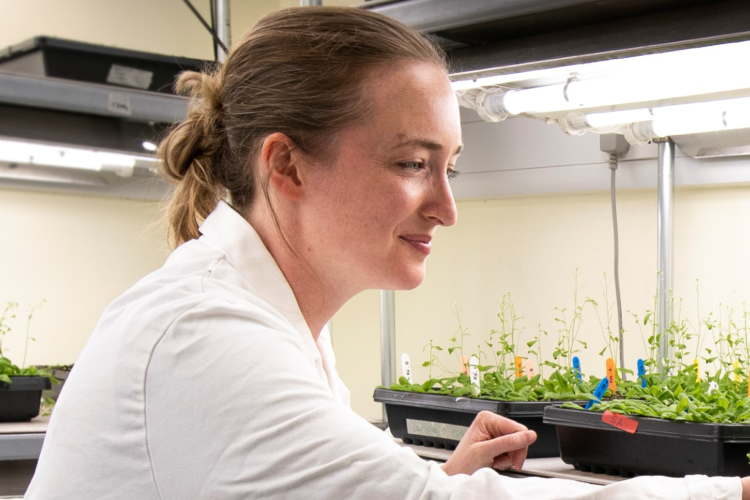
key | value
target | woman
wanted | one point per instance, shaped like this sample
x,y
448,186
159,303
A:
x,y
313,165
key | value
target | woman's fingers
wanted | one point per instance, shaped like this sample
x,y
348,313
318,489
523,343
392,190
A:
x,y
491,441
515,445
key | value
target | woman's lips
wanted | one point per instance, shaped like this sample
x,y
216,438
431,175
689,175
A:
x,y
419,242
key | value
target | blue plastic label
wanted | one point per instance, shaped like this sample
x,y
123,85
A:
x,y
642,372
598,393
577,367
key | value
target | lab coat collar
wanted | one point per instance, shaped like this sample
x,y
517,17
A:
x,y
228,232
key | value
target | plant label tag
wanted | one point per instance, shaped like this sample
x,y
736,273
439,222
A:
x,y
736,366
697,369
519,367
474,372
713,386
464,365
406,367
530,372
642,372
748,383
611,374
620,421
577,368
598,393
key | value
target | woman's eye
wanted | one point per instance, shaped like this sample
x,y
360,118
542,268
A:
x,y
414,166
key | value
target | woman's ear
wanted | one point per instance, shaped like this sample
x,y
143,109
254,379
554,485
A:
x,y
280,163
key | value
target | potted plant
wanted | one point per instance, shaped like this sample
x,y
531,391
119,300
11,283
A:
x,y
20,387
439,411
674,422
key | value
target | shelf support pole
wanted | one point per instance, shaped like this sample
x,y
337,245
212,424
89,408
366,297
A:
x,y
387,340
665,247
223,27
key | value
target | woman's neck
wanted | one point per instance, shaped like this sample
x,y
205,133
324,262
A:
x,y
317,298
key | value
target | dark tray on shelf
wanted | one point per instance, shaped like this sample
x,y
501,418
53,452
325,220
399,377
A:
x,y
20,400
663,447
440,421
54,57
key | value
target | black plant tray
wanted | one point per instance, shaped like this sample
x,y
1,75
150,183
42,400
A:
x,y
663,447
47,56
20,400
440,421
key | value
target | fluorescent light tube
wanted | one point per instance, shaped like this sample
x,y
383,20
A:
x,y
29,153
702,117
697,71
681,119
607,119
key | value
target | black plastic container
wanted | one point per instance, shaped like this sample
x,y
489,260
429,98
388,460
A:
x,y
663,447
20,400
440,421
47,56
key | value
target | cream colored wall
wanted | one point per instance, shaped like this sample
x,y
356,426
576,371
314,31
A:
x,y
529,246
78,253
160,26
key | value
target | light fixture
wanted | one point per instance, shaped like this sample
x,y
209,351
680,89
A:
x,y
688,72
30,153
149,146
645,124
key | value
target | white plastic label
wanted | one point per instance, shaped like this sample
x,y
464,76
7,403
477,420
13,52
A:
x,y
406,367
713,386
130,77
119,103
530,372
474,371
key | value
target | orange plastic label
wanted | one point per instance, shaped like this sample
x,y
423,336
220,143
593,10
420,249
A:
x,y
519,366
611,374
620,421
530,372
464,365
748,384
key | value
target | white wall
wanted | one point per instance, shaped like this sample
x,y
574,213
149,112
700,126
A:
x,y
76,252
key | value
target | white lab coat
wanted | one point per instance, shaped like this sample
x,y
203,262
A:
x,y
203,382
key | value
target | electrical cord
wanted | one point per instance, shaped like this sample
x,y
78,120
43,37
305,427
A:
x,y
613,169
205,25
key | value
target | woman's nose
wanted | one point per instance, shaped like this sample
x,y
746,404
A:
x,y
441,207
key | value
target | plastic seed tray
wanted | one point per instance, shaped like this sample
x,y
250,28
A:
x,y
440,421
20,400
656,446
47,56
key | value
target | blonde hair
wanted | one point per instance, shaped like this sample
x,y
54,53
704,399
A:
x,y
299,72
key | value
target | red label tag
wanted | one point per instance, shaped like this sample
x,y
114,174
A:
x,y
620,421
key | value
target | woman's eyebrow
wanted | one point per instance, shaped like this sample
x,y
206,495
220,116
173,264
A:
x,y
426,144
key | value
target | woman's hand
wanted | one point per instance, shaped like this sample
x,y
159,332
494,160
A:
x,y
491,441
746,488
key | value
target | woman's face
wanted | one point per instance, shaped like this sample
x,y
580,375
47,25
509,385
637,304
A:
x,y
371,214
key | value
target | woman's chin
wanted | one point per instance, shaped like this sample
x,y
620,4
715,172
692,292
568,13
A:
x,y
407,279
